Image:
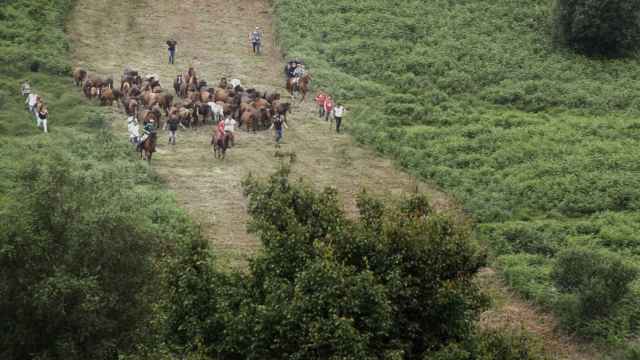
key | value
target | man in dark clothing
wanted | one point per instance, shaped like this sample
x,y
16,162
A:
x,y
255,37
279,125
172,50
172,123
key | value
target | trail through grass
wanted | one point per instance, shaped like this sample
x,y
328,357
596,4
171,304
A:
x,y
212,37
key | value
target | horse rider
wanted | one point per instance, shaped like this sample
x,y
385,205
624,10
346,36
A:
x,y
291,68
220,129
134,130
298,73
229,127
255,37
25,89
148,129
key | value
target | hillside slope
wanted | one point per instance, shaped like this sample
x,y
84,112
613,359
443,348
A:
x,y
210,189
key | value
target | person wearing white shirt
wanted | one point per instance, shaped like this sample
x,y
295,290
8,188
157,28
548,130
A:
x,y
229,127
32,101
338,111
25,89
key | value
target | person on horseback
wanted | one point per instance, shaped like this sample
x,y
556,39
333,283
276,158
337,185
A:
x,y
229,127
255,37
220,128
148,129
297,74
134,130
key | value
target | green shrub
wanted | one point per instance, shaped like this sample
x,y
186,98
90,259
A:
x,y
76,266
593,286
395,283
598,27
499,344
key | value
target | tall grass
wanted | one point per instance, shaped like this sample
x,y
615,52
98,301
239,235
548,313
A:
x,y
539,143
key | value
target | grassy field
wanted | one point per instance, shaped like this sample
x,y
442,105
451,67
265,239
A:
x,y
539,144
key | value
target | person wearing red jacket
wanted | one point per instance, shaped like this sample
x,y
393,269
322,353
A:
x,y
328,107
320,98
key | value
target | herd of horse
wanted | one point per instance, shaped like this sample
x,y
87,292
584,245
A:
x,y
193,103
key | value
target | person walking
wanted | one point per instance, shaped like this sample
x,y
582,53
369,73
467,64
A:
x,y
172,50
320,99
25,89
328,107
279,125
32,102
172,124
255,38
43,115
338,112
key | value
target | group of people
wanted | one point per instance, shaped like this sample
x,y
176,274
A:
x,y
255,39
328,110
35,105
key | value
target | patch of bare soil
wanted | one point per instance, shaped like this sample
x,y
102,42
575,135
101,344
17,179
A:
x,y
509,311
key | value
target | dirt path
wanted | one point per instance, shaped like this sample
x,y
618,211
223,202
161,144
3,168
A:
x,y
212,37
109,35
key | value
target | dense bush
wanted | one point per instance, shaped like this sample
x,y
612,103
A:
x,y
84,229
539,143
594,284
493,345
396,283
80,243
598,27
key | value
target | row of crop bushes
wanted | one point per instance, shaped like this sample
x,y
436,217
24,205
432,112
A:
x,y
539,143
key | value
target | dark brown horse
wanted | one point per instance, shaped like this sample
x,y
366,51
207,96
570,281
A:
x,y
220,144
148,147
302,86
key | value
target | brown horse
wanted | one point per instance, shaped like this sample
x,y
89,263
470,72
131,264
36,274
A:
x,y
79,75
302,86
220,144
148,147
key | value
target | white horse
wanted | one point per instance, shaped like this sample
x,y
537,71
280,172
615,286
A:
x,y
234,82
217,111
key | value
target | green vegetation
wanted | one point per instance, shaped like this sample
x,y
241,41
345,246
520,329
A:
x,y
539,143
598,27
96,261
84,228
394,284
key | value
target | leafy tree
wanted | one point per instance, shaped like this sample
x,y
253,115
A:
x,y
76,267
395,283
599,27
